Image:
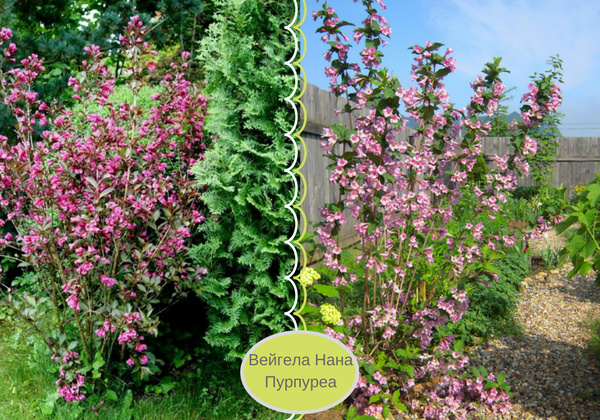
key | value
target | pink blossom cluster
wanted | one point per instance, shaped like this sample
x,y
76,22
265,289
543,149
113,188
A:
x,y
103,200
536,110
71,390
456,396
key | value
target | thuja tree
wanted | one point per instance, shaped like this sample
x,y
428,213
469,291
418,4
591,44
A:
x,y
244,57
100,221
390,314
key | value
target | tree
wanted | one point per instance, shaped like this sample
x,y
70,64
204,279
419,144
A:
x,y
244,251
546,134
499,118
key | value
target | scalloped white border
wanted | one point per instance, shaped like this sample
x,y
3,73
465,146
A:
x,y
290,135
289,206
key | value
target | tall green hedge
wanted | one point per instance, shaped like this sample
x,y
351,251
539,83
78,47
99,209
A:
x,y
243,247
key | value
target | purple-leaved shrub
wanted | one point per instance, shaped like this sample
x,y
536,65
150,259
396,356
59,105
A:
x,y
103,203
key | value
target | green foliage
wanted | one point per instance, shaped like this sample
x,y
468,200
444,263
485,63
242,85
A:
x,y
58,30
550,257
27,391
526,193
593,327
516,208
492,306
500,125
545,134
541,163
245,252
527,204
582,248
479,171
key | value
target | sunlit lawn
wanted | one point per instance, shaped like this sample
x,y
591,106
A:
x,y
27,391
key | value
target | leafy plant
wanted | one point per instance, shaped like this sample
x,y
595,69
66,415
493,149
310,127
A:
x,y
99,220
582,248
415,256
593,327
550,256
492,305
479,172
500,127
545,134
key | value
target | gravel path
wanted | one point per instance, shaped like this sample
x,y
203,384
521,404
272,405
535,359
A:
x,y
549,371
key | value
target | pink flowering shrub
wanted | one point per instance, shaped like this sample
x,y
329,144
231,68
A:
x,y
391,311
103,203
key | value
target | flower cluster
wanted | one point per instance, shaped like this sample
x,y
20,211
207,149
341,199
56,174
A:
x,y
308,276
330,314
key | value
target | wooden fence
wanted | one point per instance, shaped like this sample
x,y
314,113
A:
x,y
577,162
320,106
578,157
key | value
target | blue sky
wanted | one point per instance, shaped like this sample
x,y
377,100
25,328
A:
x,y
524,33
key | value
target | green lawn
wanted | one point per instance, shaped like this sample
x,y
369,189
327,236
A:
x,y
27,391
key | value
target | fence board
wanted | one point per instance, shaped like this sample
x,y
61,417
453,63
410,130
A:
x,y
320,106
577,162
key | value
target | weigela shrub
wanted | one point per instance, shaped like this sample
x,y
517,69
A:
x,y
392,311
103,203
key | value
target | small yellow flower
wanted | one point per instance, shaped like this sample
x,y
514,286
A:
x,y
330,315
308,276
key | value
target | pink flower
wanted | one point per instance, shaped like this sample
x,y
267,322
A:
x,y
73,302
529,146
109,281
380,378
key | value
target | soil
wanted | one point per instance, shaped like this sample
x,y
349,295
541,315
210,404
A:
x,y
330,414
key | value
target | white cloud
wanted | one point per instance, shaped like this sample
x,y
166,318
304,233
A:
x,y
525,33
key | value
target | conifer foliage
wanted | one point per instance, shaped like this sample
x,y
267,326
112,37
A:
x,y
245,253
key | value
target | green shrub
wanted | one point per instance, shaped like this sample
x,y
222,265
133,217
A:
x,y
479,171
492,307
526,193
593,327
245,252
582,248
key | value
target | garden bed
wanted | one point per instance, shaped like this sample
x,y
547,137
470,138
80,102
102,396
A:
x,y
551,372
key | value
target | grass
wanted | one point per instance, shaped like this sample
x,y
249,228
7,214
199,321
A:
x,y
592,324
28,392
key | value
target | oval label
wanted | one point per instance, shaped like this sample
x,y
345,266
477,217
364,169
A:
x,y
299,372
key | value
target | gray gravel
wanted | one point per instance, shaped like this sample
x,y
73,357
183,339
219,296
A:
x,y
549,370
